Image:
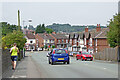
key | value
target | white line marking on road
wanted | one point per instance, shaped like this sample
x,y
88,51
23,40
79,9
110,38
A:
x,y
22,76
14,77
104,68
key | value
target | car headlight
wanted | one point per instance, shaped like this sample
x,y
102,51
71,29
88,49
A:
x,y
91,55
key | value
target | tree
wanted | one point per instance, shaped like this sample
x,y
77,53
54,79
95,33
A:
x,y
40,29
31,27
7,28
46,46
53,46
48,30
114,31
25,27
15,37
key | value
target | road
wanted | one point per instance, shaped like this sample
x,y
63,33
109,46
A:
x,y
76,68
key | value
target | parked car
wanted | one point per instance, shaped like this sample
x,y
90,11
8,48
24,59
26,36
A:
x,y
71,54
40,49
58,55
84,56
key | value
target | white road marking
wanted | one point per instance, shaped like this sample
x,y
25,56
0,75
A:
x,y
14,77
104,68
22,76
18,76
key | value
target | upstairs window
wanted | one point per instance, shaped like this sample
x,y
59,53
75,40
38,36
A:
x,y
66,41
62,40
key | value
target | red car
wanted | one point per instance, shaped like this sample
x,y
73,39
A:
x,y
84,56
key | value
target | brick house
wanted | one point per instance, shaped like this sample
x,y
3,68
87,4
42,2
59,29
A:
x,y
101,40
73,41
96,40
31,42
61,40
45,40
76,41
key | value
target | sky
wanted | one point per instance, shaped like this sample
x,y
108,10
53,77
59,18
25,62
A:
x,y
73,12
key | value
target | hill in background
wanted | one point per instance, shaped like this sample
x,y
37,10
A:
x,y
68,28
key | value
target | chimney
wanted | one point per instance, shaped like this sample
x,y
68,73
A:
x,y
86,29
53,32
98,28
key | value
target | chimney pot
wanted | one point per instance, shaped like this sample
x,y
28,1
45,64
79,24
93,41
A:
x,y
86,29
98,28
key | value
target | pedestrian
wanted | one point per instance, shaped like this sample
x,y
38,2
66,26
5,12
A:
x,y
14,55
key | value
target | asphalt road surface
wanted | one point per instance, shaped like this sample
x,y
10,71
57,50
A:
x,y
76,68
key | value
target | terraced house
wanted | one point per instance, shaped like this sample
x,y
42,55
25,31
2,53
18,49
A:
x,y
90,40
61,40
96,40
45,40
31,42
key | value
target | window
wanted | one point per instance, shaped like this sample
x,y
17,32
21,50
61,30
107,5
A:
x,y
31,41
70,41
75,41
62,40
58,41
66,41
52,41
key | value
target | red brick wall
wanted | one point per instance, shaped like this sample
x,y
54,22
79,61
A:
x,y
101,44
40,40
54,39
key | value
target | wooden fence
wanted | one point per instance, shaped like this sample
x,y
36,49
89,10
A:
x,y
108,54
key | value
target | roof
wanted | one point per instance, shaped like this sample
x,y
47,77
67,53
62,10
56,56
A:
x,y
86,34
100,34
45,36
30,36
60,36
81,35
103,33
71,35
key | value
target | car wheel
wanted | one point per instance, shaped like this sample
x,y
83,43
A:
x,y
91,60
68,62
82,58
64,62
49,61
52,63
76,58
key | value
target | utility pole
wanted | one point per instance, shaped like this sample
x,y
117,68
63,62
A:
x,y
19,20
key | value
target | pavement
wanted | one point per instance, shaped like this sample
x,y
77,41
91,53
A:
x,y
24,69
35,65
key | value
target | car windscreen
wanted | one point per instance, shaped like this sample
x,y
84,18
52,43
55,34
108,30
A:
x,y
60,51
85,53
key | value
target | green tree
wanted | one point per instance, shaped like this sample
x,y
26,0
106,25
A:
x,y
53,46
7,28
25,27
40,28
46,46
114,31
31,27
15,37
48,30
